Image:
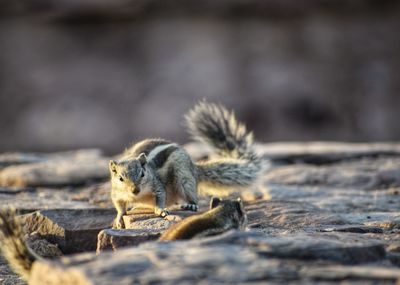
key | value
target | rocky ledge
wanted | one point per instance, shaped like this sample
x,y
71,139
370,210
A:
x,y
323,213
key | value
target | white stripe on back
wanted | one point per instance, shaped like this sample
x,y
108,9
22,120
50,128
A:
x,y
157,150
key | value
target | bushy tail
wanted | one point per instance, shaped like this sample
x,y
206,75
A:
x,y
13,248
230,172
238,164
216,126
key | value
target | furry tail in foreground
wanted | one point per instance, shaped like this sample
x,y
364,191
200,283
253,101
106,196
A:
x,y
237,165
13,247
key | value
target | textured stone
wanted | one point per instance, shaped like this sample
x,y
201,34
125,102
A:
x,y
342,249
15,190
43,198
394,258
233,257
288,216
72,230
42,247
338,248
149,220
394,247
77,168
324,221
17,158
151,223
319,153
367,174
354,229
162,263
352,272
114,239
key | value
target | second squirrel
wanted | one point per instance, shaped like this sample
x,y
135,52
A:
x,y
223,215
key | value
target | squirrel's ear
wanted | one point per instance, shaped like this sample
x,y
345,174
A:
x,y
112,165
142,158
215,201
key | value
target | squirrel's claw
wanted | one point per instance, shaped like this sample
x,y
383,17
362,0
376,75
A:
x,y
164,214
161,212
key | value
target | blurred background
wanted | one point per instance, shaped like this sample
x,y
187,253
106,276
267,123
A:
x,y
98,73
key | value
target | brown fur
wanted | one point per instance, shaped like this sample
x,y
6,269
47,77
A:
x,y
13,247
226,215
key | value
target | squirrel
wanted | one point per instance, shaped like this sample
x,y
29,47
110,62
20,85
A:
x,y
223,215
13,247
159,173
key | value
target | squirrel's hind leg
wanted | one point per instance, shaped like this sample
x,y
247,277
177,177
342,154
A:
x,y
190,207
161,198
188,188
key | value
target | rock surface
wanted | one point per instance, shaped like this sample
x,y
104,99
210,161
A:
x,y
232,258
114,239
56,170
146,219
72,230
323,213
326,152
42,247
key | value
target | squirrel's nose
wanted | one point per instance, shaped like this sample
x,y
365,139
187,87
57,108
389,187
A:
x,y
136,191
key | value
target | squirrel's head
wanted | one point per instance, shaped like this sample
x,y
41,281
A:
x,y
232,208
127,175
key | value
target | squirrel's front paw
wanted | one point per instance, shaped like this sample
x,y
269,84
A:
x,y
119,223
161,212
173,218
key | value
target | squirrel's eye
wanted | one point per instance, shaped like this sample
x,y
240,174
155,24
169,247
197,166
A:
x,y
142,175
121,179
